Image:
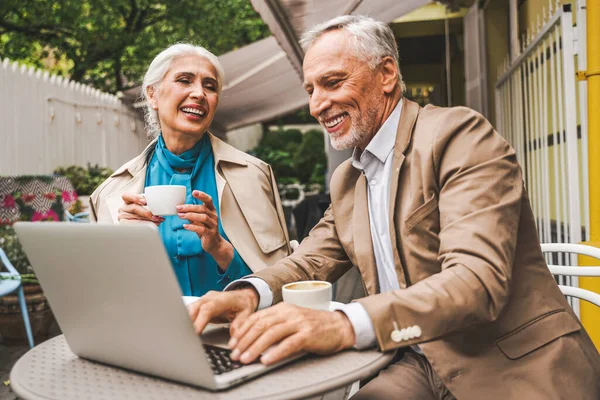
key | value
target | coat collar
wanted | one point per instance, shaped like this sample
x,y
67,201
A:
x,y
225,152
410,111
221,150
136,169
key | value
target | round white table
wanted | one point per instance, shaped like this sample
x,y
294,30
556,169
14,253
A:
x,y
52,371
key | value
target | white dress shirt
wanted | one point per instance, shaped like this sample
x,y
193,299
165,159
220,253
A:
x,y
375,162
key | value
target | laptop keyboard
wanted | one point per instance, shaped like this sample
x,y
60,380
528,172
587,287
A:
x,y
219,359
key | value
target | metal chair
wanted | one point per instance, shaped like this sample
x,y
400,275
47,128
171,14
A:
x,y
79,217
10,283
572,248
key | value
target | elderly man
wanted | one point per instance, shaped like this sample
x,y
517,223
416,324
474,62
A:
x,y
432,210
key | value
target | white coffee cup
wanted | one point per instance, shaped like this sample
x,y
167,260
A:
x,y
162,199
309,294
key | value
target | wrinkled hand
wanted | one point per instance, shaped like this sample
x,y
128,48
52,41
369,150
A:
x,y
297,329
203,220
134,210
205,223
218,307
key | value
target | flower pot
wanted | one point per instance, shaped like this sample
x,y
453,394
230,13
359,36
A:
x,y
12,327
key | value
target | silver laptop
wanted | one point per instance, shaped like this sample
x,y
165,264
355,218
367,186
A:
x,y
117,301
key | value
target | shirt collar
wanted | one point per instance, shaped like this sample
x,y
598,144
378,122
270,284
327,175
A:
x,y
383,142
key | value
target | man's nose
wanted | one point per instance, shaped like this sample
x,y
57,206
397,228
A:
x,y
318,103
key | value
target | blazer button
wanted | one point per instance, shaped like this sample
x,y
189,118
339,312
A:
x,y
416,331
179,258
406,334
396,336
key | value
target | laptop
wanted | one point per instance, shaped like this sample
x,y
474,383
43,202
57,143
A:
x,y
117,301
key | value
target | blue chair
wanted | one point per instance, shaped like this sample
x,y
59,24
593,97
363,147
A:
x,y
8,286
79,217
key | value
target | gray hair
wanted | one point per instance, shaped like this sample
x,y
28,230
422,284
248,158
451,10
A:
x,y
160,66
374,40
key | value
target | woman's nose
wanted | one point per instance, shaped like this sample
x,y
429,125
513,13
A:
x,y
197,92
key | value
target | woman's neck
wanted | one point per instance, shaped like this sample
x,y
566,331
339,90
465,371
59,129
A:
x,y
180,144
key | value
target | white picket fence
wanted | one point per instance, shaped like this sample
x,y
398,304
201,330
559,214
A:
x,y
47,121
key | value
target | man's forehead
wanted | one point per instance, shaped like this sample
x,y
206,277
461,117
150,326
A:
x,y
329,54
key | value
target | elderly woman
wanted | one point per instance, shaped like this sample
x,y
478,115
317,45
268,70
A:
x,y
232,222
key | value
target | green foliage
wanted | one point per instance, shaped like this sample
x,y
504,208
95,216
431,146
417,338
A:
x,y
300,116
84,181
310,158
12,247
294,157
109,44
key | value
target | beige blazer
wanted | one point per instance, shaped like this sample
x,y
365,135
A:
x,y
493,323
250,207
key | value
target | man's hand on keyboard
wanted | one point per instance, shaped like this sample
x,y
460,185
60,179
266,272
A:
x,y
292,330
218,307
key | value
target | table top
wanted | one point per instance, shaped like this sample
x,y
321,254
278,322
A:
x,y
51,371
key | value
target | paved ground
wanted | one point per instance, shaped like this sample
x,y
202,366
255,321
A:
x,y
9,354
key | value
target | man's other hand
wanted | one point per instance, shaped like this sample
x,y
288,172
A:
x,y
295,329
218,307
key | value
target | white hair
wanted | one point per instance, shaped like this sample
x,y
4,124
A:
x,y
374,40
160,66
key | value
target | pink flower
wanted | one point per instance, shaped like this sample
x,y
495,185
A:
x,y
49,215
28,197
66,196
9,201
50,196
52,216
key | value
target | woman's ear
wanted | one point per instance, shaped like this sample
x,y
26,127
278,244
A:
x,y
151,93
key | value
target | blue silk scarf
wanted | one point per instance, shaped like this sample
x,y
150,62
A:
x,y
196,270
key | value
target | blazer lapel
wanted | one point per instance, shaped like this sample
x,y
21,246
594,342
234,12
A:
x,y
410,110
363,244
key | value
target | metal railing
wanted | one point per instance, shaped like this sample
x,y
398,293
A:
x,y
538,113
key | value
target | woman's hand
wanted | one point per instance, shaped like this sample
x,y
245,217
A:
x,y
205,222
134,210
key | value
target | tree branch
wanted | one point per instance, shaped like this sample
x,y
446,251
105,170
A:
x,y
133,13
35,30
117,70
151,21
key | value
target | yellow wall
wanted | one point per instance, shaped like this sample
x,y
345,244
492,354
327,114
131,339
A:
x,y
531,9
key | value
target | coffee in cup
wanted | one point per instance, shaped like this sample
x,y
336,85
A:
x,y
309,294
163,199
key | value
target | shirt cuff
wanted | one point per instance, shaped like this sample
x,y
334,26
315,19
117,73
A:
x,y
265,295
361,322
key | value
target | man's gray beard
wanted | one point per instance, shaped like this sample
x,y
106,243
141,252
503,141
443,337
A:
x,y
358,134
347,141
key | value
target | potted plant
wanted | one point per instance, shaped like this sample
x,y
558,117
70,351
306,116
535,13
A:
x,y
85,181
28,198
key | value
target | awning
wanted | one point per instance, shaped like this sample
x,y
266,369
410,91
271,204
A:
x,y
260,84
263,79
287,19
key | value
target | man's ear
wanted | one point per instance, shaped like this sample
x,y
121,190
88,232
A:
x,y
151,93
389,74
